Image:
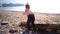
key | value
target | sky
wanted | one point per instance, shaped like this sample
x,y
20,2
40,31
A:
x,y
13,1
42,6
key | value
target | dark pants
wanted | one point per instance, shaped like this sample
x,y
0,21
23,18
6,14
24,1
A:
x,y
31,19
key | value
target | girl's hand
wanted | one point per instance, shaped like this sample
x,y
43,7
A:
x,y
25,13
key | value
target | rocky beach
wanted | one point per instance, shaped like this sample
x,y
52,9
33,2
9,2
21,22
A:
x,y
18,17
12,19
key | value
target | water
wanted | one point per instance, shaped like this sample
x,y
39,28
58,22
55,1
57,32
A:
x,y
14,8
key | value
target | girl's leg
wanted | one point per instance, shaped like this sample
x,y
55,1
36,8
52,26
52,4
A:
x,y
28,22
34,27
32,22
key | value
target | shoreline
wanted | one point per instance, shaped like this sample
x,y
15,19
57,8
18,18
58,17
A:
x,y
33,12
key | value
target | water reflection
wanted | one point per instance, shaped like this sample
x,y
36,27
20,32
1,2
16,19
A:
x,y
16,8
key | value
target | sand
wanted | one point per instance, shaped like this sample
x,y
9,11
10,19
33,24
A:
x,y
18,17
14,19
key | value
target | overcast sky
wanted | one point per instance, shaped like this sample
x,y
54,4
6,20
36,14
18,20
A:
x,y
13,1
44,6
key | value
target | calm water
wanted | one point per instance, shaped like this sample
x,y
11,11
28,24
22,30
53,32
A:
x,y
15,8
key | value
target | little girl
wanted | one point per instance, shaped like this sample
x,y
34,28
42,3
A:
x,y
31,17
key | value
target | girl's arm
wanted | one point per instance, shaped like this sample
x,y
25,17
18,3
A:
x,y
26,12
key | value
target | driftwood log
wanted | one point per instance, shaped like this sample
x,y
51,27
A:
x,y
44,26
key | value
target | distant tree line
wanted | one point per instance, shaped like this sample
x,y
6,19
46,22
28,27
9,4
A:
x,y
10,4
